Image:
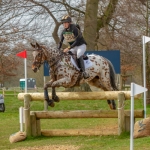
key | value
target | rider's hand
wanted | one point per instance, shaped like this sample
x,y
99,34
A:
x,y
66,50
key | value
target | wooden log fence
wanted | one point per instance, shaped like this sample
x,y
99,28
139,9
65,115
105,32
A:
x,y
32,118
102,95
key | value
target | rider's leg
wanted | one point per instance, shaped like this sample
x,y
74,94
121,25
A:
x,y
80,61
79,51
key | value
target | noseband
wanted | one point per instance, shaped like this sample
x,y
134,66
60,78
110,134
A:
x,y
38,60
52,62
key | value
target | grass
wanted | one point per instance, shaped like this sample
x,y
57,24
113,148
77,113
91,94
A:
x,y
9,124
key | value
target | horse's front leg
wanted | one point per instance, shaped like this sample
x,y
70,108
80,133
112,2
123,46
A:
x,y
54,96
66,82
50,102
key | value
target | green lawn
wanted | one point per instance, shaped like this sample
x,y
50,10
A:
x,y
9,124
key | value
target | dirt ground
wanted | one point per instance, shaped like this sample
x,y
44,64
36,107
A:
x,y
51,147
108,130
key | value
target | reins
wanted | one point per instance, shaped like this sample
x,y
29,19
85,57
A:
x,y
53,62
59,57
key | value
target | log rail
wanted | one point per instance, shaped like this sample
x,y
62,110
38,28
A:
x,y
32,118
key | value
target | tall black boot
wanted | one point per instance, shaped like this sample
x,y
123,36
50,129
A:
x,y
80,62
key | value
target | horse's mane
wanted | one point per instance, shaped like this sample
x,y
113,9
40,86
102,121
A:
x,y
43,46
48,49
55,51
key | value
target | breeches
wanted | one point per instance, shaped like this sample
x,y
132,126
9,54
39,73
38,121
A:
x,y
78,50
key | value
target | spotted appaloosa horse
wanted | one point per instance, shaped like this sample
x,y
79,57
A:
x,y
63,73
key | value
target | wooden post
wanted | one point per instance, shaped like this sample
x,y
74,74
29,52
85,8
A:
x,y
121,114
127,119
127,123
33,124
45,105
38,127
27,99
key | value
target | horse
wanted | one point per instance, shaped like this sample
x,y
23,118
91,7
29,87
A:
x,y
64,73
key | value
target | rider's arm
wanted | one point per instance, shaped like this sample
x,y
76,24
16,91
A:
x,y
61,41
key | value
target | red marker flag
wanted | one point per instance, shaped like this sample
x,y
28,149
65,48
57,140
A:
x,y
22,54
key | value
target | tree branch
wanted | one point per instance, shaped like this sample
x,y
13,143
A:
x,y
67,5
107,16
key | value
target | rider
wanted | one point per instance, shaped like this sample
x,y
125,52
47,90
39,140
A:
x,y
74,38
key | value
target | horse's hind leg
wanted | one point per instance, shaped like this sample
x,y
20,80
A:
x,y
98,83
106,86
111,104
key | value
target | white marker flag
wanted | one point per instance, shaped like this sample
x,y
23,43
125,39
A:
x,y
146,39
137,89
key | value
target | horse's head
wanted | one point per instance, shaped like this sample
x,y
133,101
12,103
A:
x,y
39,56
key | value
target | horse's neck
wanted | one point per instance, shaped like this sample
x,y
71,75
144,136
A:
x,y
54,55
67,57
51,53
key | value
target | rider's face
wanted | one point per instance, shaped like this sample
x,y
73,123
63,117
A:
x,y
66,25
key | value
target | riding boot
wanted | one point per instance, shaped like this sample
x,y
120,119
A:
x,y
80,62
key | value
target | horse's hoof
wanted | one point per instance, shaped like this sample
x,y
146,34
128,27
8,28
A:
x,y
56,98
51,103
114,107
111,107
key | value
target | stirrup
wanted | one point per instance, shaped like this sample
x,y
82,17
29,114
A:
x,y
85,75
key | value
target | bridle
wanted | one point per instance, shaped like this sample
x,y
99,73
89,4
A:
x,y
38,61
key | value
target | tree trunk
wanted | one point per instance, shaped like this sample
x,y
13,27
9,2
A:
x,y
147,56
93,24
90,23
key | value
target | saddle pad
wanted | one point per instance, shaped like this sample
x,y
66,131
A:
x,y
87,63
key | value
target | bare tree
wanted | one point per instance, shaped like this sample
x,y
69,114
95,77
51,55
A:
x,y
115,25
8,66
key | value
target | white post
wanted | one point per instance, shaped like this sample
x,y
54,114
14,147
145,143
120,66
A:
x,y
21,118
144,75
132,117
135,89
25,71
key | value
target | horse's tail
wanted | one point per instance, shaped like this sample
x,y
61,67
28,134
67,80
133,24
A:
x,y
112,76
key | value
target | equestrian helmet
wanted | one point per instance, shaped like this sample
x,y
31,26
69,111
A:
x,y
66,18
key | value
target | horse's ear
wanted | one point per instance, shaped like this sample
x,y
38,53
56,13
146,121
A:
x,y
32,45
